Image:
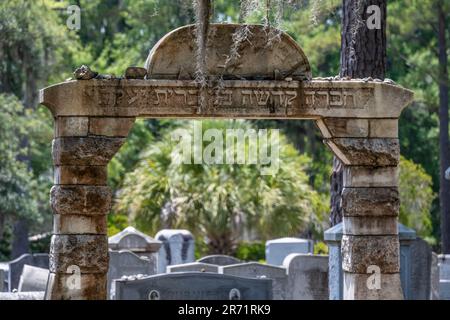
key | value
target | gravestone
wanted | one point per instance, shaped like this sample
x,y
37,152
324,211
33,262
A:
x,y
126,263
177,248
193,266
193,286
307,277
16,267
415,263
135,241
32,295
421,259
444,276
2,280
434,292
219,259
278,249
260,271
33,279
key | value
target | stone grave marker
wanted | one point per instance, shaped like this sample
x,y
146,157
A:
x,y
126,263
33,279
219,259
16,267
278,249
2,280
307,277
32,295
193,266
193,286
434,291
135,241
261,271
444,276
177,248
421,259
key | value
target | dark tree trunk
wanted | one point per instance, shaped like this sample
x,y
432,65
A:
x,y
20,243
363,55
444,188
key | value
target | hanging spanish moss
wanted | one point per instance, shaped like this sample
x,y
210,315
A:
x,y
202,10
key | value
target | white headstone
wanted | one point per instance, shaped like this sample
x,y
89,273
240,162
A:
x,y
307,277
33,279
135,241
177,248
219,259
278,249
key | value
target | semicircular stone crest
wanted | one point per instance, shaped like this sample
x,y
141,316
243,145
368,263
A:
x,y
174,56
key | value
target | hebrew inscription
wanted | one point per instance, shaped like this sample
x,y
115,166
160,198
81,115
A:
x,y
234,99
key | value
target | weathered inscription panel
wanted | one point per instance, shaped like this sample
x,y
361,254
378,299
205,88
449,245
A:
x,y
194,286
234,99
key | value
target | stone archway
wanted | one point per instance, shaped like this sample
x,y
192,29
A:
x,y
358,120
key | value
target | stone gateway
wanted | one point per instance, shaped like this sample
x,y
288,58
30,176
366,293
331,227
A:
x,y
358,119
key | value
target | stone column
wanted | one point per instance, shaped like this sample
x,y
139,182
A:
x,y
80,200
370,151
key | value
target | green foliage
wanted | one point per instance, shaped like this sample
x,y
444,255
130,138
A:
x,y
17,187
320,248
210,199
416,197
251,251
116,223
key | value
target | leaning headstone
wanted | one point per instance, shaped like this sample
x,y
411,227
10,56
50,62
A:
x,y
16,266
220,260
193,286
307,277
260,271
193,266
177,248
407,237
36,295
33,279
278,249
126,263
135,241
434,292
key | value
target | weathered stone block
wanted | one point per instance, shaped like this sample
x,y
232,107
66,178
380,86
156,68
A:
x,y
65,287
361,287
360,252
86,175
359,177
370,225
358,128
89,253
85,200
383,128
370,202
71,126
79,224
85,151
112,127
366,152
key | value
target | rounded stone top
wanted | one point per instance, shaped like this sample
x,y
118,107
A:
x,y
174,56
168,234
287,240
133,240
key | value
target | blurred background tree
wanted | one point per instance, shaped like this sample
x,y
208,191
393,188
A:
x,y
37,49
